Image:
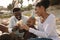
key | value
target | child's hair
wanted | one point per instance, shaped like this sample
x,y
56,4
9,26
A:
x,y
5,37
31,20
44,3
16,10
9,37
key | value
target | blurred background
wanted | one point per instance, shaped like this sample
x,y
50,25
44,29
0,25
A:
x,y
27,6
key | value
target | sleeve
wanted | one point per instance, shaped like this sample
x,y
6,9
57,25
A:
x,y
11,25
47,30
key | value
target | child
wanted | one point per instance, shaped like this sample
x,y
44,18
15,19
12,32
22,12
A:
x,y
30,23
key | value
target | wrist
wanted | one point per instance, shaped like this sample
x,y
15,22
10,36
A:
x,y
27,29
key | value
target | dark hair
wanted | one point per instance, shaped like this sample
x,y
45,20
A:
x,y
16,9
5,37
44,3
10,37
15,37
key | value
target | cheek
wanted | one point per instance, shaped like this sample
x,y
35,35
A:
x,y
37,12
40,12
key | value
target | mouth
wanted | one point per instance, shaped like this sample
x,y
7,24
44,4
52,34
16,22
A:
x,y
19,18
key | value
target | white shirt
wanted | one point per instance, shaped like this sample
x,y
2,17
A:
x,y
13,22
47,29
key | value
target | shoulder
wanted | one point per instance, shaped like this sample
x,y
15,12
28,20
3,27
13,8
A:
x,y
52,15
13,17
52,18
25,17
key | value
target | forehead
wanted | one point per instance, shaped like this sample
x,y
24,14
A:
x,y
18,12
37,7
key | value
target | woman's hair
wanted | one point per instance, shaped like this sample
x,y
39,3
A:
x,y
44,3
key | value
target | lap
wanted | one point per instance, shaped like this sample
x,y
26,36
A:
x,y
39,39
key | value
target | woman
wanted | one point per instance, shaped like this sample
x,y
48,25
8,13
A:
x,y
46,27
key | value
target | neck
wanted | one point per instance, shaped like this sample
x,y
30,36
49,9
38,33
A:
x,y
45,15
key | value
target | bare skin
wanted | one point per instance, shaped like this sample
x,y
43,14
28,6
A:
x,y
40,11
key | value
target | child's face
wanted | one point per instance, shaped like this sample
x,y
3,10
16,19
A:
x,y
18,15
31,21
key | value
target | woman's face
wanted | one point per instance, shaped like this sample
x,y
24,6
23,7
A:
x,y
38,11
